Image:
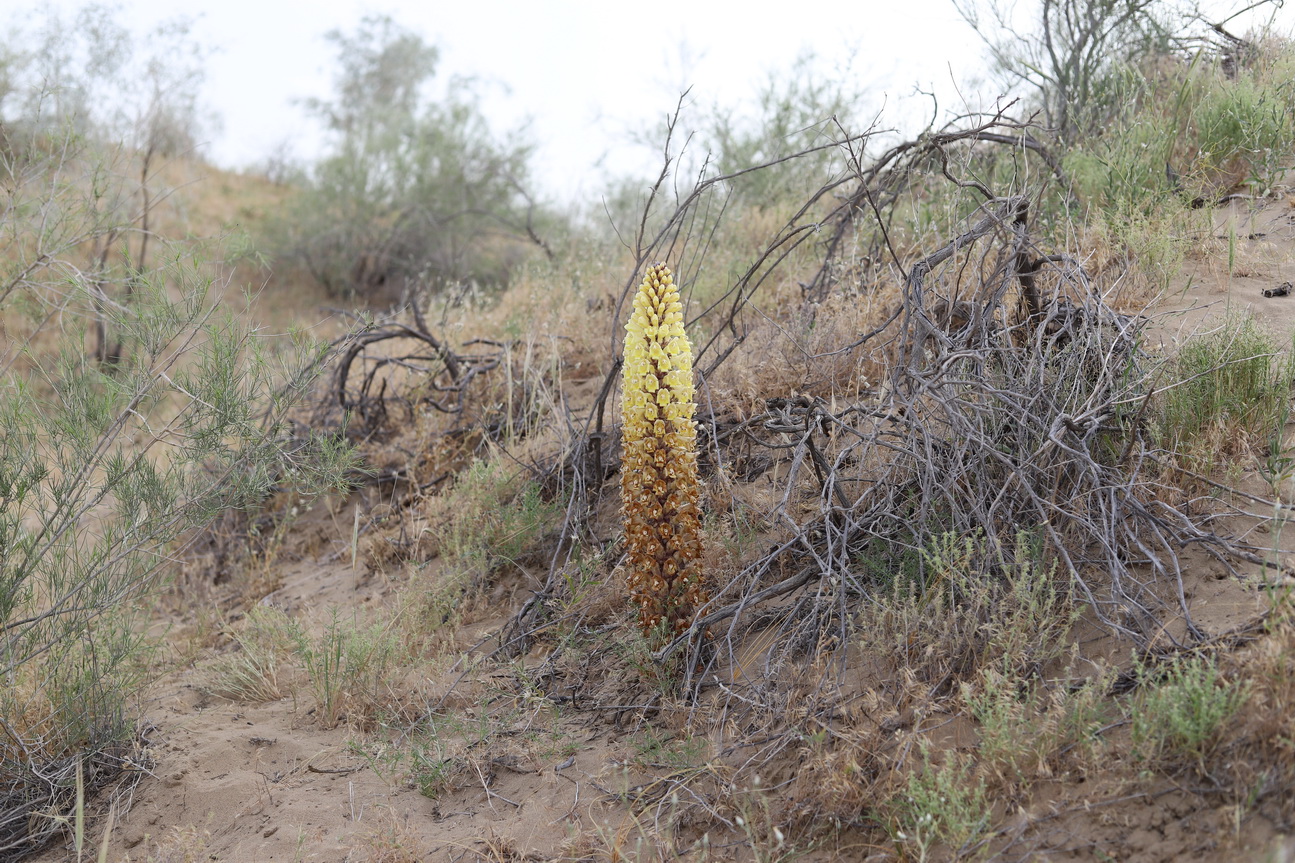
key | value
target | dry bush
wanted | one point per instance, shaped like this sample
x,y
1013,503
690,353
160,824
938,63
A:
x,y
180,845
393,840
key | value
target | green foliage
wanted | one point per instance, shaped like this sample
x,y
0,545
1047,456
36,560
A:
x,y
412,189
492,518
663,750
1244,119
133,411
495,519
105,472
1185,710
103,469
941,806
1227,389
431,772
348,666
1215,130
1124,172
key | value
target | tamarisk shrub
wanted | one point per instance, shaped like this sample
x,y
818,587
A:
x,y
659,485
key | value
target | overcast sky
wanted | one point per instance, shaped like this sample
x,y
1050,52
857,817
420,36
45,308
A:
x,y
581,74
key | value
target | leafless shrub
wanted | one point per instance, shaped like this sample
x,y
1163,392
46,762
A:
x,y
1009,411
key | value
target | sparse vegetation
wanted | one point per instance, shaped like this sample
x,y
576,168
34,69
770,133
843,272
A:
x,y
932,542
943,810
1230,394
258,668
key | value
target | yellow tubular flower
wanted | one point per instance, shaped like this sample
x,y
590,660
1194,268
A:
x,y
659,485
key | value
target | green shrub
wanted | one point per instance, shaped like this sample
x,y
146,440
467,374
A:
x,y
970,608
941,805
1184,712
133,410
1122,173
106,471
411,190
1242,120
491,518
1226,390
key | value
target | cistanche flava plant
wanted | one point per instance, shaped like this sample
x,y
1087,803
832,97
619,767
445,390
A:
x,y
659,487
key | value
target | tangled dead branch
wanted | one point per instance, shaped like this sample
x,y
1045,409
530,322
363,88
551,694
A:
x,y
35,788
1012,415
363,378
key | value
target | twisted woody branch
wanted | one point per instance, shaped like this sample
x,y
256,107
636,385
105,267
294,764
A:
x,y
659,486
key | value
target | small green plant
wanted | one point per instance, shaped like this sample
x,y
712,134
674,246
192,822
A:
x,y
968,607
1229,390
1184,712
494,518
1025,726
1012,739
431,772
941,805
582,574
657,749
348,667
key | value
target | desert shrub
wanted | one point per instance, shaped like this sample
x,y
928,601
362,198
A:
x,y
941,807
105,471
88,76
1025,727
1242,124
496,517
1124,172
492,518
411,189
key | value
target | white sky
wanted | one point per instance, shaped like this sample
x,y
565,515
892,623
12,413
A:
x,y
581,73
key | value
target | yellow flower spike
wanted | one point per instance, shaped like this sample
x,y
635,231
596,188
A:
x,y
662,531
